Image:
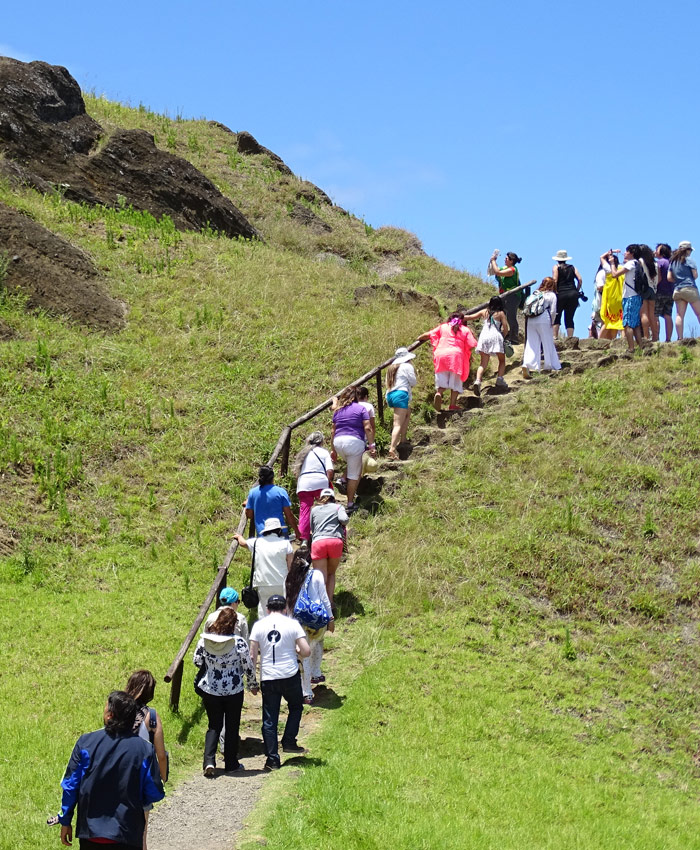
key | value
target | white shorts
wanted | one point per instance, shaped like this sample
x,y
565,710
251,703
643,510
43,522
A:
x,y
350,449
448,380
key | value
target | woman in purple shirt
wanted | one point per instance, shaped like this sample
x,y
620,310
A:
x,y
663,305
350,426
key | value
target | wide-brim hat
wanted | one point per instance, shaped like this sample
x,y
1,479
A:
x,y
685,244
562,257
403,355
272,524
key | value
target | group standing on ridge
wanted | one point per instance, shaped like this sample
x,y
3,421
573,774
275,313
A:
x,y
116,774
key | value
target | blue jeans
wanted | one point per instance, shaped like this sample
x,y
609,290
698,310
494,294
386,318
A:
x,y
272,692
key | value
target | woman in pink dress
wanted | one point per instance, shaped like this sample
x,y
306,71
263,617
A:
x,y
452,343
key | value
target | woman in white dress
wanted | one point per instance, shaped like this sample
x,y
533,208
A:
x,y
491,341
539,341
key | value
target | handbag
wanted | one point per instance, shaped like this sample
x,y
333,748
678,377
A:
x,y
311,614
507,348
198,676
249,594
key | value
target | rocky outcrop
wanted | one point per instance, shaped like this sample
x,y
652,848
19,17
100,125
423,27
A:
x,y
408,297
54,274
45,130
309,219
131,166
248,144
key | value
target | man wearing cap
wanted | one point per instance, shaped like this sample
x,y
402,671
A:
x,y
272,556
267,500
279,639
229,598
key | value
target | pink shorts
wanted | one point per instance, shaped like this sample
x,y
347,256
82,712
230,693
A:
x,y
326,547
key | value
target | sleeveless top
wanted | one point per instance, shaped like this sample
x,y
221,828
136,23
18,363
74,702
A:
x,y
566,279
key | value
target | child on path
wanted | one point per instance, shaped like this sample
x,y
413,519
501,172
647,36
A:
x,y
491,341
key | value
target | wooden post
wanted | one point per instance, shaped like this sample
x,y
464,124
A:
x,y
380,398
175,687
284,457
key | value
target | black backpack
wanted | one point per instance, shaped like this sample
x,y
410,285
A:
x,y
640,279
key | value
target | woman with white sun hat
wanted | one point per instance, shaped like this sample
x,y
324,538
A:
x,y
566,277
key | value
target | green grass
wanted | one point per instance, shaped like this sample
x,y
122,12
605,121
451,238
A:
x,y
527,674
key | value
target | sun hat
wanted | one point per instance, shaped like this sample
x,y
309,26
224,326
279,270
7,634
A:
x,y
327,492
228,596
271,524
403,355
562,256
369,463
685,244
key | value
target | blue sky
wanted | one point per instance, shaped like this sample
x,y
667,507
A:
x,y
520,126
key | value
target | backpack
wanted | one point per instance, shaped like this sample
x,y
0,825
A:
x,y
534,304
640,278
311,614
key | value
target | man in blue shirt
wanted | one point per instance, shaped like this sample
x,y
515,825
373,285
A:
x,y
268,500
112,776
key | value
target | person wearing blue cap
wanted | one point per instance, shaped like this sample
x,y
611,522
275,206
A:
x,y
229,599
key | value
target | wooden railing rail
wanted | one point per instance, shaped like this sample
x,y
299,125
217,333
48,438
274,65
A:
x,y
281,453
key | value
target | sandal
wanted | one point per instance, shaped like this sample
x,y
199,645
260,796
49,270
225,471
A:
x,y
392,456
308,700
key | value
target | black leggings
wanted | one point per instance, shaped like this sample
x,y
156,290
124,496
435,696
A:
x,y
567,302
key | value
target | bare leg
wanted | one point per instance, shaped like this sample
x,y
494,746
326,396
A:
x,y
330,578
454,395
501,364
400,414
555,331
668,321
646,320
681,307
629,336
322,565
437,398
404,424
569,332
482,366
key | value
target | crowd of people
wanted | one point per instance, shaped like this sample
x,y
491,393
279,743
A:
x,y
116,774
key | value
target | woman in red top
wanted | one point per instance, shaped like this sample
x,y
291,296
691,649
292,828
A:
x,y
452,343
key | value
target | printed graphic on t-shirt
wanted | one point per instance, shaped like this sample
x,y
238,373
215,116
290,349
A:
x,y
274,637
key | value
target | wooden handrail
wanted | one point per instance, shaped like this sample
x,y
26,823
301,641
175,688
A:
x,y
280,452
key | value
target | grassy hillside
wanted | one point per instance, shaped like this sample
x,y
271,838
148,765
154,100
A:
x,y
124,459
527,672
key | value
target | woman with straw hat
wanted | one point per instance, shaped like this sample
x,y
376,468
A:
x,y
566,277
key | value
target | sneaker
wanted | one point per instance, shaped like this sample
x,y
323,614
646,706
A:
x,y
476,386
293,748
308,700
342,486
234,768
500,382
209,771
350,508
272,764
316,680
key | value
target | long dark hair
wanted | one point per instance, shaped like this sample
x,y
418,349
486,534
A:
x,y
122,707
266,475
646,255
664,250
296,576
495,305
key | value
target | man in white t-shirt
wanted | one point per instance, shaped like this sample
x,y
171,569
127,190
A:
x,y
279,639
273,557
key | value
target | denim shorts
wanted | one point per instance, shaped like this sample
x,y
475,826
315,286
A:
x,y
631,307
397,398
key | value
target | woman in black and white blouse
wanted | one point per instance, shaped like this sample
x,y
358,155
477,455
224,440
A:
x,y
227,659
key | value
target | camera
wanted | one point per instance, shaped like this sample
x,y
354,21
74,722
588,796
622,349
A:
x,y
582,296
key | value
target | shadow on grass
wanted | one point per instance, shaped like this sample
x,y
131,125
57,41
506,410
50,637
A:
x,y
327,698
304,761
347,604
189,723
